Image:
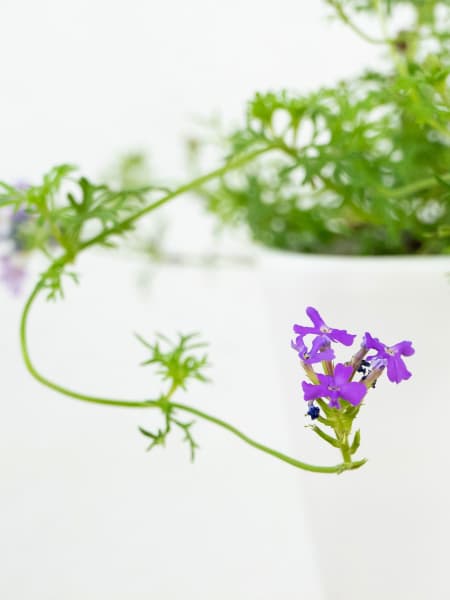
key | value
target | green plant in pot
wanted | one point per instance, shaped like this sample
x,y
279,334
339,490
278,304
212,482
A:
x,y
363,166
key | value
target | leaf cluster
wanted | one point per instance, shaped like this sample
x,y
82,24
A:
x,y
64,213
362,167
63,210
176,362
340,421
159,437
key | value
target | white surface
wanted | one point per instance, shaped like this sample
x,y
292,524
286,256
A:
x,y
84,80
382,531
86,512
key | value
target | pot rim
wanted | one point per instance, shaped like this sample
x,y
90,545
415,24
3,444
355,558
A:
x,y
284,258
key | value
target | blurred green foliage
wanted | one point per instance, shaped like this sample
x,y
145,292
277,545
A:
x,y
362,167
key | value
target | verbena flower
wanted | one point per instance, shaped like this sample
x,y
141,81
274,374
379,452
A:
x,y
391,356
320,328
336,386
333,397
320,350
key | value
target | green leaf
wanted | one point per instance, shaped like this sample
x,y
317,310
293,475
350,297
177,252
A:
x,y
158,438
186,428
356,442
328,438
177,360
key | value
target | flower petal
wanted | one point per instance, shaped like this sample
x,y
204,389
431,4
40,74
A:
x,y
404,348
396,369
342,374
321,342
373,343
321,349
311,391
334,400
377,363
315,317
298,344
327,354
304,330
353,392
325,380
342,336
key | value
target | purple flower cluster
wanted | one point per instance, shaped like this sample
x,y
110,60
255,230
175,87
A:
x,y
336,383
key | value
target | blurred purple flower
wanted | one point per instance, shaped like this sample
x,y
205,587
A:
x,y
390,356
17,219
320,328
12,274
22,185
19,216
336,386
12,268
320,350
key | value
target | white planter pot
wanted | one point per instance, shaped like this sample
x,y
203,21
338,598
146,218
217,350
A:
x,y
380,532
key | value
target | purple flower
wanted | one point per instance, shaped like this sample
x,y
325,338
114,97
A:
x,y
391,357
336,386
12,274
22,185
320,350
18,218
320,328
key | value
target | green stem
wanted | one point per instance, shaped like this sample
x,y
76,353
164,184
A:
x,y
67,257
345,451
346,19
279,455
192,185
416,186
342,430
59,388
159,404
399,192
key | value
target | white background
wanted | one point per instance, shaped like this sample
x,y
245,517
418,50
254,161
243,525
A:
x,y
85,512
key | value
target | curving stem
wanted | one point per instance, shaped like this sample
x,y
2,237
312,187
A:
x,y
163,402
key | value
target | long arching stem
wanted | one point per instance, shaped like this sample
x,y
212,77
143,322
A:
x,y
59,388
288,459
161,403
158,404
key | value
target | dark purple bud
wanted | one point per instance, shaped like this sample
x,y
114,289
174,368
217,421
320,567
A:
x,y
313,412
